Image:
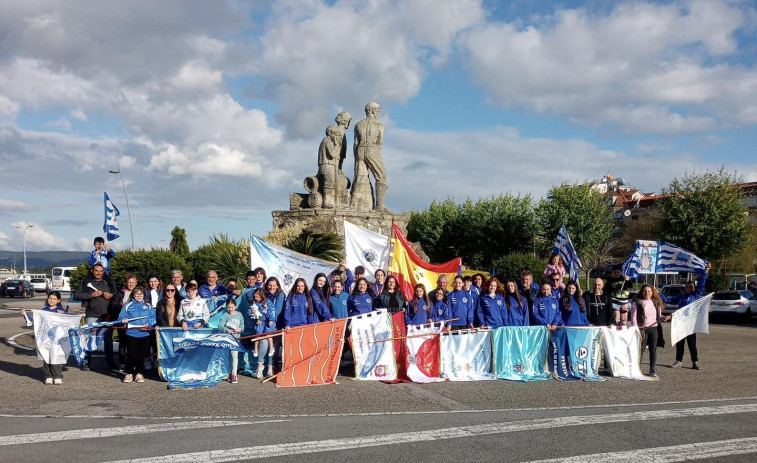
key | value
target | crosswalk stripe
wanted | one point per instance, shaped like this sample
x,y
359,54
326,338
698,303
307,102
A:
x,y
328,445
669,454
96,433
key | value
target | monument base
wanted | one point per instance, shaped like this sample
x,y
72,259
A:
x,y
331,220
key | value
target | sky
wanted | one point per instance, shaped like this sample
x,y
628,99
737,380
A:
x,y
214,110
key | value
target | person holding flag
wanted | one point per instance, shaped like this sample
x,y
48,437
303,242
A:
x,y
137,334
102,254
568,257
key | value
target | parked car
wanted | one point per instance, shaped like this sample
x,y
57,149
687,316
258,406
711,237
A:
x,y
20,288
40,285
672,291
734,302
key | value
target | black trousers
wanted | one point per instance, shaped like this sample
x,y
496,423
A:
x,y
136,352
650,342
691,340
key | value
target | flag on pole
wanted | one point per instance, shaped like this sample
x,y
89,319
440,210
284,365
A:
x,y
692,318
285,264
671,258
366,248
423,352
374,357
312,354
643,261
399,333
110,227
409,268
51,335
564,247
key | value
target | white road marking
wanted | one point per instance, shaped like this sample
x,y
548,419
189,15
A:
x,y
670,454
96,433
329,445
12,341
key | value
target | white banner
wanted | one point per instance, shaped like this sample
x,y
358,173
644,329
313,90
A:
x,y
51,335
366,248
423,354
467,356
623,351
693,318
373,360
285,264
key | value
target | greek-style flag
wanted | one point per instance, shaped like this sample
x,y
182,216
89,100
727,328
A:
x,y
110,227
642,261
564,247
671,258
87,338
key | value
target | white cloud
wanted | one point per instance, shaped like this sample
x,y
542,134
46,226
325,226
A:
x,y
38,238
6,244
647,68
78,114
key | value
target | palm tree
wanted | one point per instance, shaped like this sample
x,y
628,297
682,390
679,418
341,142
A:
x,y
326,246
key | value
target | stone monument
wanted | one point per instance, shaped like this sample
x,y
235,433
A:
x,y
331,196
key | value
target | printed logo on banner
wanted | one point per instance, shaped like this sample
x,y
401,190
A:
x,y
582,352
369,256
518,368
381,371
582,368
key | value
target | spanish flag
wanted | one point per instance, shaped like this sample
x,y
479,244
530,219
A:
x,y
410,270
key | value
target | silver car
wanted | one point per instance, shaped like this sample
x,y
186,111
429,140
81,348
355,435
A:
x,y
734,302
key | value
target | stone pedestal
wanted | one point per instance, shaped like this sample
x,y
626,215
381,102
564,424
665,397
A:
x,y
331,220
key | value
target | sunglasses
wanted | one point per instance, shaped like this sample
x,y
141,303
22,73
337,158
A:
x,y
170,290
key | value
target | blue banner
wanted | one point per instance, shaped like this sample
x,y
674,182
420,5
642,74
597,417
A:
x,y
520,353
671,258
194,368
110,227
214,341
574,354
87,338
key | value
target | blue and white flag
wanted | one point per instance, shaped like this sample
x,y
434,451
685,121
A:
x,y
193,368
366,248
564,247
467,356
671,258
87,338
574,354
212,341
520,353
285,264
51,335
110,227
622,347
643,260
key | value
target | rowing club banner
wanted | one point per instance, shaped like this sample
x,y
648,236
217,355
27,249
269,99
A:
x,y
374,355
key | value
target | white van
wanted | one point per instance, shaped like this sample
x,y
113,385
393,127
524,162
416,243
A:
x,y
61,278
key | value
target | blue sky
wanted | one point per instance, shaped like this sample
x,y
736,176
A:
x,y
215,110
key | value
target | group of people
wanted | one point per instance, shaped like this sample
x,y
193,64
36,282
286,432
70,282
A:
x,y
471,302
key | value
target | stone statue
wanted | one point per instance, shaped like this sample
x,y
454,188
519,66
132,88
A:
x,y
330,187
369,137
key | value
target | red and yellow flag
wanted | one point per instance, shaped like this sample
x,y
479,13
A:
x,y
409,268
312,354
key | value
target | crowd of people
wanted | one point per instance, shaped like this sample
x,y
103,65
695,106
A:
x,y
471,302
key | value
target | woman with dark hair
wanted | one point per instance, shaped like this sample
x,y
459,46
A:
x,y
391,298
419,309
478,283
153,290
517,305
361,299
276,299
319,293
378,287
168,307
648,307
461,305
491,305
298,306
572,307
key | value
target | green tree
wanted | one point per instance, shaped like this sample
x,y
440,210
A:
x,y
326,246
510,266
229,258
477,232
179,243
704,214
585,213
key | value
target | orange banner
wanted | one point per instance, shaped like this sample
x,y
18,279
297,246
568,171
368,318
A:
x,y
312,354
409,268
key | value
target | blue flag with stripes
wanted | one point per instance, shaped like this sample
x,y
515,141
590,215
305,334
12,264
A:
x,y
574,354
110,227
87,338
671,258
564,247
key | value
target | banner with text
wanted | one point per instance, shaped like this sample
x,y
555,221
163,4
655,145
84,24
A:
x,y
574,354
373,360
312,354
520,353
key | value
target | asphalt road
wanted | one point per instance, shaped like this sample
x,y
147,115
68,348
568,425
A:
x,y
709,414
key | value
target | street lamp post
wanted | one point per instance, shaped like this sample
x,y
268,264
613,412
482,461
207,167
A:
x,y
23,234
128,208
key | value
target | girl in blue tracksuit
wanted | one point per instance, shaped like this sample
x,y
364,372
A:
x,y
546,310
298,305
440,309
478,283
339,300
419,309
461,305
517,305
137,334
319,293
491,305
361,299
572,307
276,299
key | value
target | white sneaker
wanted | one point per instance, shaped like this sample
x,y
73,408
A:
x,y
57,381
128,378
139,378
48,381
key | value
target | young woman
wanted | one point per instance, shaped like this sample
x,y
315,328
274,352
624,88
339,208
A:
x,y
298,305
276,299
137,334
392,298
440,309
648,310
491,305
461,305
339,299
546,310
378,286
419,309
319,293
361,299
517,305
153,290
572,307
168,307
478,283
